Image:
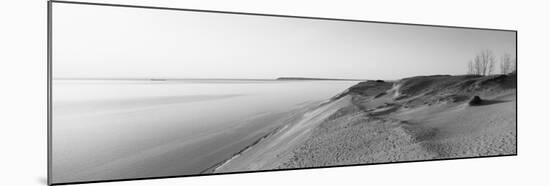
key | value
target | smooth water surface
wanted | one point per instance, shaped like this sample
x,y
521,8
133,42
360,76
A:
x,y
119,129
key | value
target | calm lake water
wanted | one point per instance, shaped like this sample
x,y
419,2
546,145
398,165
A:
x,y
117,129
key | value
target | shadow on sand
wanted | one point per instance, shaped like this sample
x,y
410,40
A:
x,y
490,102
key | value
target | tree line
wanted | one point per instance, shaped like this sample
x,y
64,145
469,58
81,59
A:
x,y
484,63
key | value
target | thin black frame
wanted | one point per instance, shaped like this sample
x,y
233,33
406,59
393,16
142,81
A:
x,y
49,87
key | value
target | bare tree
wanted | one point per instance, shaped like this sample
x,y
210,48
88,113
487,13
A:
x,y
506,64
474,67
483,63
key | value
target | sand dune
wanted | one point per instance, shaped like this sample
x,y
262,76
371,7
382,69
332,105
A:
x,y
418,118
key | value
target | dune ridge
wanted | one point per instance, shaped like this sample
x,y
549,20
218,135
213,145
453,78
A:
x,y
417,118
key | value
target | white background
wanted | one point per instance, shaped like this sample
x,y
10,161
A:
x,y
23,92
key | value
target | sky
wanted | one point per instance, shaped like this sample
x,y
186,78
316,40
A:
x,y
118,42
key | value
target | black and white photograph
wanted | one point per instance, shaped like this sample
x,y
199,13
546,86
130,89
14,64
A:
x,y
148,93
274,93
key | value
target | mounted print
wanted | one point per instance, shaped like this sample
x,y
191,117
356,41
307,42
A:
x,y
148,92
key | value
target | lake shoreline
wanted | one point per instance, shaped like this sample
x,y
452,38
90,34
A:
x,y
163,128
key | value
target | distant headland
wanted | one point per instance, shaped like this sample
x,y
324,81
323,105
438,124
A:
x,y
326,79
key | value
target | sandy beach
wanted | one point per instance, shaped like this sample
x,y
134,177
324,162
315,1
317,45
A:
x,y
417,118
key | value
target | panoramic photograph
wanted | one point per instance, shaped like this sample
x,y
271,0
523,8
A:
x,y
148,93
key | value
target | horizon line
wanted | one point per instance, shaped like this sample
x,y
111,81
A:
x,y
160,78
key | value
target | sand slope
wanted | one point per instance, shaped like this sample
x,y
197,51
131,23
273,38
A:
x,y
425,117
